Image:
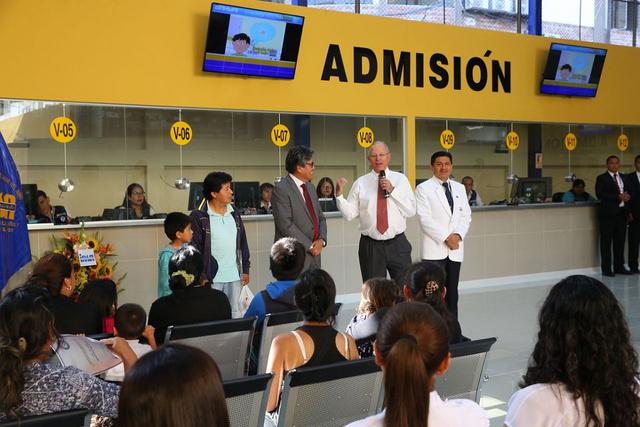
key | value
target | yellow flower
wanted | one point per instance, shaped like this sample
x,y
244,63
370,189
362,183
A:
x,y
108,271
93,243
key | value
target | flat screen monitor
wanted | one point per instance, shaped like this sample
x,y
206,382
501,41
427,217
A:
x,y
252,42
195,196
572,70
246,194
531,190
118,214
30,197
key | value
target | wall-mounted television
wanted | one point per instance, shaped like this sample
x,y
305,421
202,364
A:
x,y
252,42
572,70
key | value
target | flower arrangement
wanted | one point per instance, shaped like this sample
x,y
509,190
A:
x,y
69,245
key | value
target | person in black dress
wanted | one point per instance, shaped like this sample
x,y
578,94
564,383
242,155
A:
x,y
190,302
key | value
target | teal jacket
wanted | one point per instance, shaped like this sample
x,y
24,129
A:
x,y
163,270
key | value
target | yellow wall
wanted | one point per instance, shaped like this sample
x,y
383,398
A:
x,y
150,53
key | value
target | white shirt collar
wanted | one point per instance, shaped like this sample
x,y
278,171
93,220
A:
x,y
297,180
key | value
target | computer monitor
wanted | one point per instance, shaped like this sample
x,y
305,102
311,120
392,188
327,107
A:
x,y
532,190
118,214
246,194
195,196
30,197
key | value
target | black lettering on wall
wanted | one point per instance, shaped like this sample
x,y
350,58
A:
x,y
439,70
359,54
334,56
399,71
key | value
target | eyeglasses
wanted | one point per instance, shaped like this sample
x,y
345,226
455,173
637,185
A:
x,y
138,193
312,164
378,156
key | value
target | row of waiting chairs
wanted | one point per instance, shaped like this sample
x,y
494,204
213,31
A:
x,y
331,395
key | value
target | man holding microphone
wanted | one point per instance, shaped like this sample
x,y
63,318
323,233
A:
x,y
382,200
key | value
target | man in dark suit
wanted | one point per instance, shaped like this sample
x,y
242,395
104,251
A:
x,y
632,186
612,217
296,210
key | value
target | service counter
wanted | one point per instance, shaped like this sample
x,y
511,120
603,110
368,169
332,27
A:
x,y
502,241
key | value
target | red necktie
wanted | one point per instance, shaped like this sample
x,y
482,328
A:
x,y
381,214
312,212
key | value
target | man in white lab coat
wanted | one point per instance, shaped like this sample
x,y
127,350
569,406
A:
x,y
445,216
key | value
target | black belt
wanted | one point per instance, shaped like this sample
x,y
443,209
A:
x,y
386,242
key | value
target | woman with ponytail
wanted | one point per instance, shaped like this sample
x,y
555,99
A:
x,y
29,385
190,301
412,348
314,343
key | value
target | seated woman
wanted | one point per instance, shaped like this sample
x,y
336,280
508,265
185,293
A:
x,y
175,385
135,198
104,295
425,282
314,343
412,349
54,272
190,302
326,195
29,385
584,369
378,295
48,213
286,261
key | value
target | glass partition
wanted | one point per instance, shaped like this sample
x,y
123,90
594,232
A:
x,y
594,144
116,146
479,152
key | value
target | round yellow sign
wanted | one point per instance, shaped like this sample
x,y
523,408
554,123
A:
x,y
364,137
570,141
63,129
181,133
447,139
512,140
623,142
280,135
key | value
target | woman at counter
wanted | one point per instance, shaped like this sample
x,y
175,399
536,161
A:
x,y
136,199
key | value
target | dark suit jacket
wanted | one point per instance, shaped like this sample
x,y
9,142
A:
x,y
607,191
632,186
292,218
72,317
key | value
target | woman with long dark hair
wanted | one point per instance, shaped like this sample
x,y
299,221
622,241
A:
x,y
30,386
176,386
412,347
584,370
103,293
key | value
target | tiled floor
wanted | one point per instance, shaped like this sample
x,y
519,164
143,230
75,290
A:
x,y
511,316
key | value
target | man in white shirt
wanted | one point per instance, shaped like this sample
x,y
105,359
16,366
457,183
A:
x,y
445,217
472,195
382,200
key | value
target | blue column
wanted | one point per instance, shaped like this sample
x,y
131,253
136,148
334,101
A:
x,y
535,17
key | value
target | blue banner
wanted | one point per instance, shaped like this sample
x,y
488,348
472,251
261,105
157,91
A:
x,y
15,251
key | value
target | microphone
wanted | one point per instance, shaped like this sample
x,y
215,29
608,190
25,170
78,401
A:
x,y
384,192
